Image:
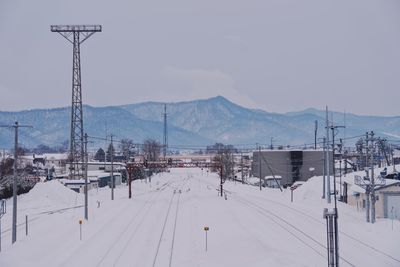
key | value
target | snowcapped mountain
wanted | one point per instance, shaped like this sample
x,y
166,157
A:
x,y
52,127
219,119
197,122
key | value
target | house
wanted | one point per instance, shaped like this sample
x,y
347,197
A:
x,y
78,185
290,165
46,160
387,198
96,179
103,179
47,164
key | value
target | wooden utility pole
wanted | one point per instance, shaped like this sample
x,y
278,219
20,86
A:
x,y
259,164
112,169
222,180
315,134
367,190
130,168
392,151
324,171
241,163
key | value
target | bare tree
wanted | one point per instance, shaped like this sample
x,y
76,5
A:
x,y
110,150
224,163
126,146
151,149
6,167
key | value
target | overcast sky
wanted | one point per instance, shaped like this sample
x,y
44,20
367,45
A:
x,y
275,55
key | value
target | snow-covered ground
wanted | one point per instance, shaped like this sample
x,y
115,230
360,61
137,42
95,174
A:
x,y
163,225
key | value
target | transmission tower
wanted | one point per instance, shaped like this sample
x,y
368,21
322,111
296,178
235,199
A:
x,y
165,138
76,34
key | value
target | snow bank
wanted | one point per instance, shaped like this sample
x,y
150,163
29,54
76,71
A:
x,y
52,190
48,194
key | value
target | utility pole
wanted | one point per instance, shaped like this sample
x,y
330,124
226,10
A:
x,y
392,151
2,212
241,163
14,220
222,180
331,216
73,34
334,128
379,143
328,178
130,167
324,170
16,126
86,178
112,169
340,170
165,139
367,189
315,134
372,179
332,237
368,182
259,164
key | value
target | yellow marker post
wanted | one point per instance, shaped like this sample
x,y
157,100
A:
x,y
80,229
206,229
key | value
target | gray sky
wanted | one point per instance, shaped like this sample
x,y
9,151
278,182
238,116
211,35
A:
x,y
276,55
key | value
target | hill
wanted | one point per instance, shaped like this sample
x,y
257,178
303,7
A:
x,y
198,122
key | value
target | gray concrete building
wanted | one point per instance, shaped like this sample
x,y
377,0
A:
x,y
291,165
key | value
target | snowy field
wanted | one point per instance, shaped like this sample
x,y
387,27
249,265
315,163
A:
x,y
163,225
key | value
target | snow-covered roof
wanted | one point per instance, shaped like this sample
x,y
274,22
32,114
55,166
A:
x,y
290,150
350,179
75,181
54,156
107,163
269,177
100,174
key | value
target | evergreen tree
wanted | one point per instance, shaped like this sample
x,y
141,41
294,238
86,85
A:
x,y
100,155
110,151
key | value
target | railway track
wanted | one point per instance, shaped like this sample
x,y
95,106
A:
x,y
145,209
353,239
356,241
312,243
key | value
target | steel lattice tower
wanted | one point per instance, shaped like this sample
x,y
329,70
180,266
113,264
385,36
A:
x,y
76,34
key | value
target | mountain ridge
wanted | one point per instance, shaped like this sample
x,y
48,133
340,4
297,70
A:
x,y
196,122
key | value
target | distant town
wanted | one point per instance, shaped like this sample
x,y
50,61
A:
x,y
199,133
